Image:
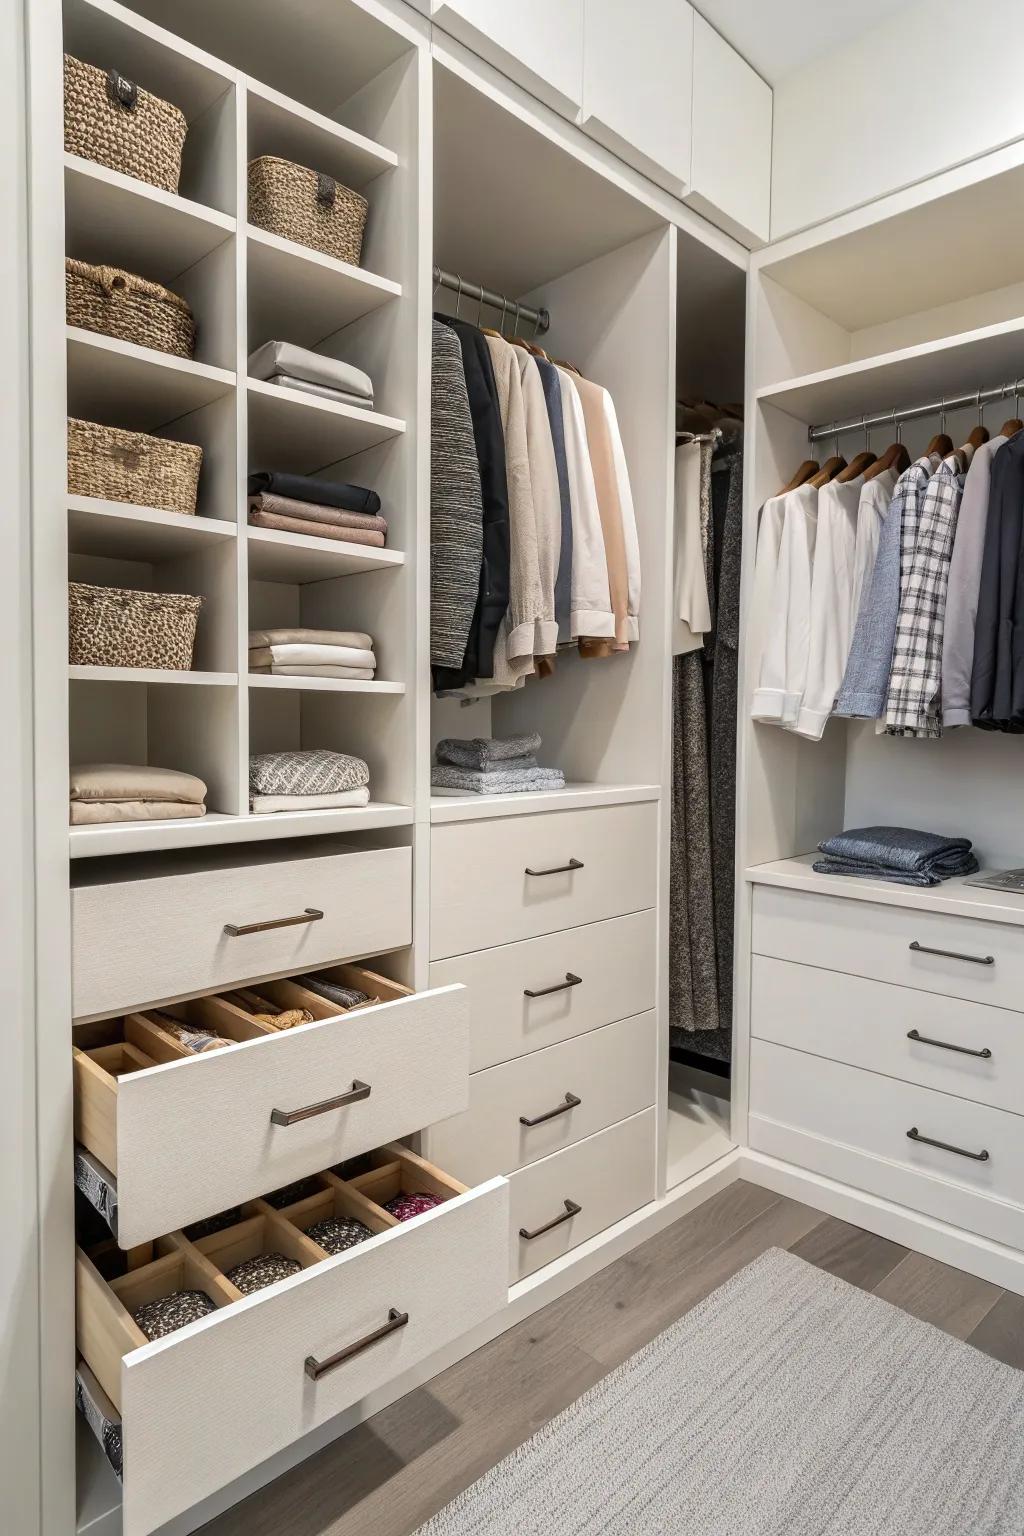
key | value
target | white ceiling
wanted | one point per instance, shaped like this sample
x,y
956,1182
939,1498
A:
x,y
777,37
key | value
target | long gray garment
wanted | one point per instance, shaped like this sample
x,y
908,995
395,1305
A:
x,y
723,655
692,958
456,504
964,585
563,579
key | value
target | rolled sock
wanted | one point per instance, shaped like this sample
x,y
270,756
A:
x,y
333,991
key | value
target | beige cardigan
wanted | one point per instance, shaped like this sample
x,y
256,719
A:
x,y
514,646
602,459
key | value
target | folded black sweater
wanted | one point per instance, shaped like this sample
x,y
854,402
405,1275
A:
x,y
322,493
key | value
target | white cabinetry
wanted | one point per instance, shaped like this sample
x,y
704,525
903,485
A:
x,y
537,43
730,178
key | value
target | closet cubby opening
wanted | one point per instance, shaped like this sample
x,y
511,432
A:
x,y
373,727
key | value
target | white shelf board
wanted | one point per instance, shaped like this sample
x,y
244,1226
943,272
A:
x,y
279,126
697,1130
297,294
116,219
123,385
915,375
473,807
323,684
292,430
127,532
80,674
116,837
297,558
954,897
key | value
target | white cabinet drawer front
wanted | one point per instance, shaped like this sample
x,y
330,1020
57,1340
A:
x,y
638,85
537,44
195,1137
959,1048
978,960
202,1407
141,941
607,1176
586,865
605,971
611,1072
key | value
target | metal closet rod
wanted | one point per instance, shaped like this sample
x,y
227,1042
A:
x,y
540,319
978,398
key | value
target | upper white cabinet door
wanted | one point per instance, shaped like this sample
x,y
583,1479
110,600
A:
x,y
537,43
732,138
637,79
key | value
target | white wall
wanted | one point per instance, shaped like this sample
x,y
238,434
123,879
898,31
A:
x,y
937,84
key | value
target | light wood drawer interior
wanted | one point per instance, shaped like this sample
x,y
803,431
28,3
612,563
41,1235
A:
x,y
494,882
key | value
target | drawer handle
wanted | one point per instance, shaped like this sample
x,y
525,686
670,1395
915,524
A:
x,y
952,954
944,1045
571,1102
945,1146
316,1368
559,869
308,915
559,986
293,1116
571,1210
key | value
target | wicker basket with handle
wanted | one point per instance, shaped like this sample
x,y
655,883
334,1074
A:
x,y
302,205
113,121
114,627
117,465
128,307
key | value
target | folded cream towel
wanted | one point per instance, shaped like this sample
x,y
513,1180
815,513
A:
x,y
263,805
86,812
298,655
134,781
353,637
354,674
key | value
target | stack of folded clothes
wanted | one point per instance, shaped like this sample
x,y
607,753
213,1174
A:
x,y
306,781
133,792
290,367
322,509
492,766
312,653
897,854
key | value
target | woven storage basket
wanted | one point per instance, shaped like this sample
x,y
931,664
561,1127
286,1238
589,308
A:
x,y
111,120
112,627
129,307
131,466
298,204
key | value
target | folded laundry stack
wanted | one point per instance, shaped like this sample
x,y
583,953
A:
x,y
306,781
492,766
899,855
312,653
321,509
287,366
133,792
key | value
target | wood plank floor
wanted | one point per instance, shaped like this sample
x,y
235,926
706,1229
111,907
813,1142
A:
x,y
393,1472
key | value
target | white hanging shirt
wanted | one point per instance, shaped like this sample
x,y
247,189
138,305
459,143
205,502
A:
x,y
783,672
766,568
831,624
691,611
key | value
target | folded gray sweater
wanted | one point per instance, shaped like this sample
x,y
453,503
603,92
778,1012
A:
x,y
483,752
899,855
500,780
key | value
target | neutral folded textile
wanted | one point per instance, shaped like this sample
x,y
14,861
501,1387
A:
x,y
298,655
312,367
310,512
262,805
339,396
134,782
314,772
333,991
353,674
482,751
324,493
368,536
497,781
901,855
88,812
299,636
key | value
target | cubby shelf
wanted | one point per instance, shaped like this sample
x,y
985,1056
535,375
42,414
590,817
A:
x,y
573,797
297,558
323,684
80,674
298,294
277,127
120,530
291,429
124,385
117,837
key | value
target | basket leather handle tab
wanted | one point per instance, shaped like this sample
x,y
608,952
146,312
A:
x,y
326,190
123,93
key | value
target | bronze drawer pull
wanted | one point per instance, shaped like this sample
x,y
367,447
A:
x,y
944,1045
571,1102
571,1210
316,1368
951,954
559,869
559,986
945,1146
309,915
293,1116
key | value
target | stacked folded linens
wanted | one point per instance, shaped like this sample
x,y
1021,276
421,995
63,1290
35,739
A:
x,y
133,792
899,855
306,781
492,766
321,509
312,653
287,366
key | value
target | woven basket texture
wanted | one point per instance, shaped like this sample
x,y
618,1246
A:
x,y
113,121
117,465
128,307
113,627
299,204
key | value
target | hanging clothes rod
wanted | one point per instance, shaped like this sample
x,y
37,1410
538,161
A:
x,y
893,418
540,319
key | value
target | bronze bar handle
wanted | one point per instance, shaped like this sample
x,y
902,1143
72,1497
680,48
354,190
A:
x,y
952,954
293,1116
316,1368
571,1102
559,869
560,986
944,1045
571,1210
945,1146
308,915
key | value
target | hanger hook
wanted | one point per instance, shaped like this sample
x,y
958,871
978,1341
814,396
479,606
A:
x,y
835,428
1016,399
536,324
867,434
899,427
479,306
501,322
437,280
515,320
458,296
981,411
942,414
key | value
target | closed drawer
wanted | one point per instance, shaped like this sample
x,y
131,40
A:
x,y
939,1042
569,1092
523,997
198,1134
980,961
566,1198
493,882
148,933
204,1405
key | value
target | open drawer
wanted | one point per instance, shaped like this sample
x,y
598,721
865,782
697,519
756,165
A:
x,y
186,1133
221,1394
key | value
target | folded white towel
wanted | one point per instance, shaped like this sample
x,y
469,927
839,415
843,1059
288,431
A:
x,y
285,357
263,805
311,656
353,637
354,674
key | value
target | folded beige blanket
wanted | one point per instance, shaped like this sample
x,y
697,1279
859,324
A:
x,y
353,637
134,782
353,674
85,812
317,530
310,656
263,805
313,512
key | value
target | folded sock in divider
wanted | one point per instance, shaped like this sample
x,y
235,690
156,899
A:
x,y
323,493
482,751
367,536
333,991
284,357
498,781
313,772
262,805
310,512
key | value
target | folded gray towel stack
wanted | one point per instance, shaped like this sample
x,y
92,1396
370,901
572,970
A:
x,y
492,766
900,855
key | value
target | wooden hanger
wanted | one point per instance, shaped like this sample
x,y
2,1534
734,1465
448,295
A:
x,y
808,468
828,471
857,466
978,436
941,443
895,457
1012,427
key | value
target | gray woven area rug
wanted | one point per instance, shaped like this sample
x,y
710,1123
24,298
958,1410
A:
x,y
786,1404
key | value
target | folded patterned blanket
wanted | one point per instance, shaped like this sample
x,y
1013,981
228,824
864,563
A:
x,y
276,357
323,493
263,805
299,655
901,850
483,751
498,781
367,536
316,772
309,512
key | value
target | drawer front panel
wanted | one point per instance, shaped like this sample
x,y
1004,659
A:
x,y
195,1137
138,942
588,864
201,1409
868,1024
876,941
607,1176
611,1071
615,964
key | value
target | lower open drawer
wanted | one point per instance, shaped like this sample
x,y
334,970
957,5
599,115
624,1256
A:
x,y
204,1404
